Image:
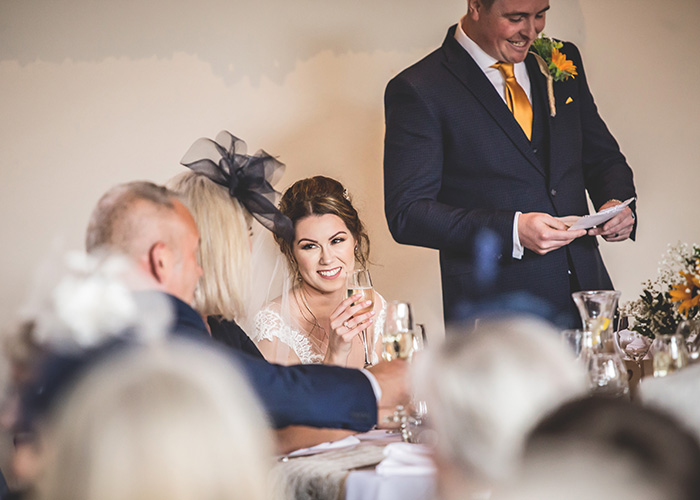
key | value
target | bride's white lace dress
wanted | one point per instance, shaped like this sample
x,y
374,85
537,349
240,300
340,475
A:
x,y
271,326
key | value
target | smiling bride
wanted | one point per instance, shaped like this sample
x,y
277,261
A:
x,y
314,321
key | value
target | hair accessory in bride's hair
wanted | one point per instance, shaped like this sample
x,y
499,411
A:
x,y
346,195
248,178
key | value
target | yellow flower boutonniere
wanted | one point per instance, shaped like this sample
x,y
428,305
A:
x,y
553,64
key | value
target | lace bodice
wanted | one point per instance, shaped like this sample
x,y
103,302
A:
x,y
269,325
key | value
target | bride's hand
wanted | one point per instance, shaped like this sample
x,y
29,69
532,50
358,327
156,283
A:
x,y
345,325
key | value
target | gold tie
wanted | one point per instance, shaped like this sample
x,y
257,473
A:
x,y
517,100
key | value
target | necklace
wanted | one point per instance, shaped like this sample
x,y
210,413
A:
x,y
306,309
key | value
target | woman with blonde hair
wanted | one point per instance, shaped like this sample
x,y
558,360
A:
x,y
224,196
174,420
314,321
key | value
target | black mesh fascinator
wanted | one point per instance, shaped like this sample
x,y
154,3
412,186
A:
x,y
248,178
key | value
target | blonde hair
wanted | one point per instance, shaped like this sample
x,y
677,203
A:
x,y
173,421
224,251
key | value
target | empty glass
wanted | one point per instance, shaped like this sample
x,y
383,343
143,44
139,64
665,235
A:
x,y
690,330
607,376
669,354
580,342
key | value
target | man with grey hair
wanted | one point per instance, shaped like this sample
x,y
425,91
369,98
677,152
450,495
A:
x,y
485,389
150,225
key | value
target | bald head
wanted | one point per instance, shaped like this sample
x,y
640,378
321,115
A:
x,y
148,223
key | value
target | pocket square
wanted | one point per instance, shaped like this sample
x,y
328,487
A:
x,y
569,100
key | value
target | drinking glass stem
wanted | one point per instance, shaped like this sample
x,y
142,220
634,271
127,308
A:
x,y
368,361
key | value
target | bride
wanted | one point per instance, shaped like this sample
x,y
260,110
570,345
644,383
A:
x,y
313,321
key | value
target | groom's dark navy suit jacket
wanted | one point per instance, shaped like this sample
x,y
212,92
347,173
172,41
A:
x,y
457,162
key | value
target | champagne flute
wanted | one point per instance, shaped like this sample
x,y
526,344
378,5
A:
x,y
398,339
400,342
360,282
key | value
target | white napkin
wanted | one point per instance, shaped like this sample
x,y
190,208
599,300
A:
x,y
330,445
403,459
631,340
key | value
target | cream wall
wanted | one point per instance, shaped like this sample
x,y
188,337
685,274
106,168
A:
x,y
96,93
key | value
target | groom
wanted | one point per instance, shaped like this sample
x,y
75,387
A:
x,y
471,149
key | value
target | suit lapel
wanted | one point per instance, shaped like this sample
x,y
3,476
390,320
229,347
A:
x,y
462,66
540,106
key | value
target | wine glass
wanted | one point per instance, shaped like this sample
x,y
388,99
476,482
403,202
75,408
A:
x,y
398,339
669,354
690,330
633,345
360,282
607,376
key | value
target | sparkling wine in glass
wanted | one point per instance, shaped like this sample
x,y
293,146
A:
x,y
398,339
360,282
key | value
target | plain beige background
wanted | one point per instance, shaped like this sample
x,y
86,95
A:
x,y
95,93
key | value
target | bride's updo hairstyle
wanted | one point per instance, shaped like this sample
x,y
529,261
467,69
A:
x,y
320,196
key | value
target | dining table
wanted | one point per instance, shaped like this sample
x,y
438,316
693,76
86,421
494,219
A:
x,y
376,465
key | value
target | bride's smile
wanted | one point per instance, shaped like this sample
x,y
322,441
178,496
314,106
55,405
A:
x,y
324,252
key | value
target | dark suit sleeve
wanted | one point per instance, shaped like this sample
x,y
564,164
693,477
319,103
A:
x,y
413,177
313,395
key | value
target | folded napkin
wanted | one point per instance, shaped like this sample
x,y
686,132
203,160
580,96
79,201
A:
x,y
630,340
330,445
404,459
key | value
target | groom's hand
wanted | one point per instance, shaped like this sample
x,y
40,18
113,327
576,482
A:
x,y
543,233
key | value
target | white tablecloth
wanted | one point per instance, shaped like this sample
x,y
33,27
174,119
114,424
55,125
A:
x,y
349,473
368,485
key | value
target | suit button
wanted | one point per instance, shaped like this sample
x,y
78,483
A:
x,y
535,150
553,192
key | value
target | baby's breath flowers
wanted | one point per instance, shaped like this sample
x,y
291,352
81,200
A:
x,y
674,296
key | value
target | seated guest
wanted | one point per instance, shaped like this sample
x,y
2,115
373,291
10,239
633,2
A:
x,y
21,354
147,223
80,307
314,321
173,420
676,394
608,448
485,389
225,226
